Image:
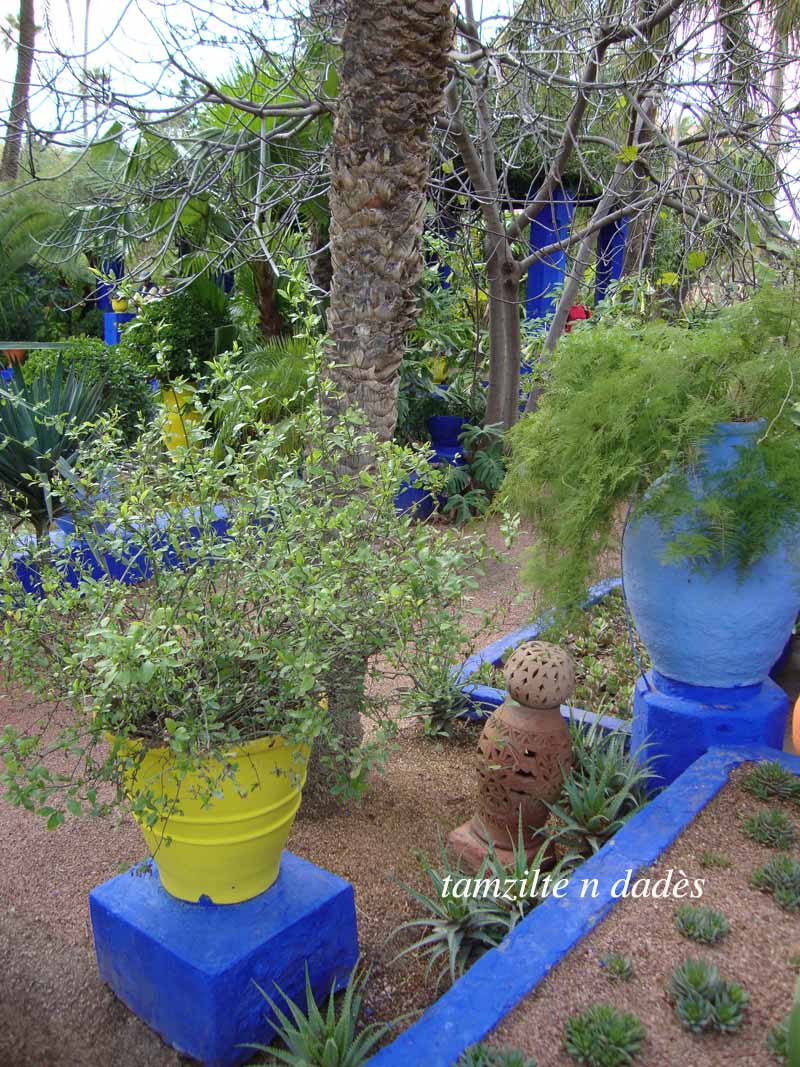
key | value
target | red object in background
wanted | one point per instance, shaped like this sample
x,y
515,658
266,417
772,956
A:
x,y
16,355
576,312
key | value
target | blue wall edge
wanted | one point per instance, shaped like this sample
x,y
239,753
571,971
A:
x,y
493,986
483,699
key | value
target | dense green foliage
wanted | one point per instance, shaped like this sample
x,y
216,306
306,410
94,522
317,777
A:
x,y
332,1038
628,403
703,1000
601,1036
125,387
231,638
174,335
701,923
43,425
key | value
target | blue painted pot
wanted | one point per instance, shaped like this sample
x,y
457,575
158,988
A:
x,y
702,624
414,498
445,429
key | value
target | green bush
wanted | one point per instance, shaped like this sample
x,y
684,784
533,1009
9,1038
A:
x,y
173,336
701,923
601,1036
629,403
125,386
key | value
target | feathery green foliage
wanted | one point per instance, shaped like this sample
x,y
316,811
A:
x,y
330,1039
629,403
601,1036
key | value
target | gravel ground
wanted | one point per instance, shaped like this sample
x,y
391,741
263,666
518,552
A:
x,y
756,953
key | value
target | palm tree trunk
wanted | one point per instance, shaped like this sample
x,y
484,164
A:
x,y
392,77
269,317
15,129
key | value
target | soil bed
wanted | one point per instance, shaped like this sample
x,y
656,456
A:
x,y
757,953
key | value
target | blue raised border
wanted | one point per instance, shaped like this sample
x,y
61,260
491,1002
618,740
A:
x,y
478,1001
483,699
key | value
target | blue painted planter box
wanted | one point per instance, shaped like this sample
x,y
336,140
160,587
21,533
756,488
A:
x,y
478,1001
483,699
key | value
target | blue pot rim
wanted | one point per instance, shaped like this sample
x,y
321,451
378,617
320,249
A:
x,y
734,429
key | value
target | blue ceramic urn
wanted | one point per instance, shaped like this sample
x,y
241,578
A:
x,y
706,624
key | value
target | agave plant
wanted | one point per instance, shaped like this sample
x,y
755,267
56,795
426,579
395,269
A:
x,y
330,1039
43,425
606,786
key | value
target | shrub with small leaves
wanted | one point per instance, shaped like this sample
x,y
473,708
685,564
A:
x,y
486,1056
711,860
314,1039
772,828
701,923
703,1000
617,966
781,877
769,781
603,1037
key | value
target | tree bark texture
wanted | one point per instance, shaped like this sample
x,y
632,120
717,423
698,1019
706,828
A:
x,y
265,284
392,78
15,130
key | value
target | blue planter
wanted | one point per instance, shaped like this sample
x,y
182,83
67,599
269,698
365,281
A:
x,y
414,498
445,430
706,625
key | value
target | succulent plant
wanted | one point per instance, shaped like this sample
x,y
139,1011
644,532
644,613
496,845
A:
x,y
703,1000
486,1056
712,860
781,877
771,780
701,923
773,828
617,966
601,1036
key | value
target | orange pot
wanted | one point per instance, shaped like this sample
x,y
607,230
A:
x,y
16,355
796,726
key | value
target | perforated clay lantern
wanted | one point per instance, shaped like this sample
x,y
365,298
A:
x,y
523,752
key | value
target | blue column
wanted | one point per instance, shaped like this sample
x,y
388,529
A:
x,y
102,294
610,255
112,320
550,225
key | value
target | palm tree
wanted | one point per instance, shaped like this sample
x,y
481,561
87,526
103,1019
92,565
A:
x,y
18,115
392,78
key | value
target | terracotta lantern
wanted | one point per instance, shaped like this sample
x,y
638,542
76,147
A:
x,y
522,753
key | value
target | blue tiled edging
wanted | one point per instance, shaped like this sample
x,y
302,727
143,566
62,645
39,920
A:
x,y
477,1002
483,699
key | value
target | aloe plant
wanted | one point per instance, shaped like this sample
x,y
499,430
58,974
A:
x,y
42,427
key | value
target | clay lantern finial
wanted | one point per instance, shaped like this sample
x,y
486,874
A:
x,y
523,752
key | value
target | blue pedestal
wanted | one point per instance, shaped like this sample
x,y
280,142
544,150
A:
x,y
550,225
112,320
610,255
189,970
680,722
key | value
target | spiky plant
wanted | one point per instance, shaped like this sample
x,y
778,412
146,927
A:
x,y
770,780
43,425
601,1036
778,1041
701,923
606,786
486,1056
772,828
703,1000
457,927
323,1039
781,877
711,860
617,967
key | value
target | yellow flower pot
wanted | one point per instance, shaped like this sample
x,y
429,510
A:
x,y
438,369
230,850
119,304
181,416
